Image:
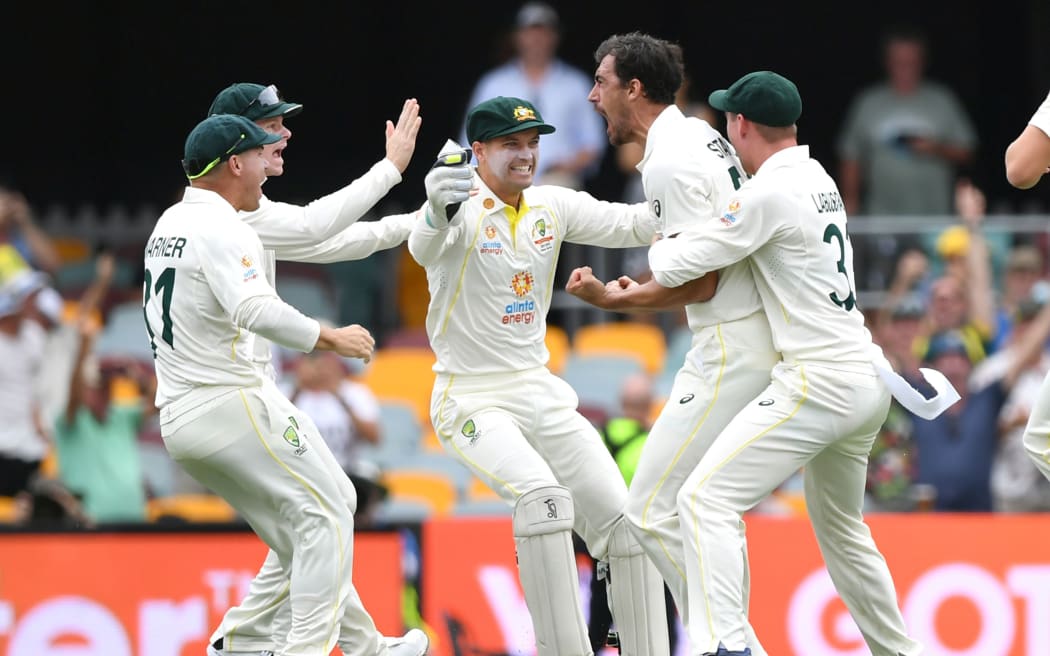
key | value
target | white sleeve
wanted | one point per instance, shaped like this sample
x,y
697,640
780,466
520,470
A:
x,y
427,243
272,318
1041,118
231,259
355,242
601,223
685,196
719,241
285,225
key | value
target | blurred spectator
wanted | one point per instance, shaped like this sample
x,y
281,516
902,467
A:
x,y
346,413
1017,485
624,436
899,148
963,299
18,232
47,307
956,449
904,138
97,435
24,438
1024,268
559,91
898,331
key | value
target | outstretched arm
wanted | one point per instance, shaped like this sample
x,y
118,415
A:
x,y
626,295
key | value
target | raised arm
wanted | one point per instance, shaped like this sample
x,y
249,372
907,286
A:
x,y
970,204
283,225
356,242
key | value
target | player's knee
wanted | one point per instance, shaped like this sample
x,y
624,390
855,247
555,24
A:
x,y
543,510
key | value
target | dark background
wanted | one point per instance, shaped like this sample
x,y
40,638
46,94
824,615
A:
x,y
100,95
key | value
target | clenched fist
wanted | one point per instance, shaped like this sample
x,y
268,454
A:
x,y
349,341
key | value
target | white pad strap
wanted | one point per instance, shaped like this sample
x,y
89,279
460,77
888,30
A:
x,y
636,597
543,521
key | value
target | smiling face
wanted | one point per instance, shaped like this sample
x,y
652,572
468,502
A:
x,y
609,97
507,164
275,152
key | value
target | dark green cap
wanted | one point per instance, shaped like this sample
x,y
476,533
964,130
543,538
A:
x,y
219,137
253,101
763,97
503,115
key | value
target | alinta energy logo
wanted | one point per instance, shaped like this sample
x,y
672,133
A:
x,y
491,245
520,311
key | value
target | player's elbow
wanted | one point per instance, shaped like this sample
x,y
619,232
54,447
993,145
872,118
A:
x,y
1022,177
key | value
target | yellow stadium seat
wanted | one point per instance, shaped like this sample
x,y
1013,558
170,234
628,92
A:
x,y
558,344
71,249
643,341
403,374
9,510
204,508
432,488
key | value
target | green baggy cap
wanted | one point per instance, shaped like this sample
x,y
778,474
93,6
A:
x,y
763,97
501,116
219,137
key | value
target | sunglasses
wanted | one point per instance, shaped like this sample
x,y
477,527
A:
x,y
268,97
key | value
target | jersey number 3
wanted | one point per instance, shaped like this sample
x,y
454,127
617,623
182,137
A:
x,y
164,287
848,303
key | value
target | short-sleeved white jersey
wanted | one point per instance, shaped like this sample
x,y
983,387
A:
x,y
491,272
790,224
1041,118
201,262
689,172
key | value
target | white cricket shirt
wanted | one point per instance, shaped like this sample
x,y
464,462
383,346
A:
x,y
689,172
1041,118
202,262
491,272
790,222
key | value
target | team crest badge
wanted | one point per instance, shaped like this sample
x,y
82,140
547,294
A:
x,y
543,236
291,436
522,113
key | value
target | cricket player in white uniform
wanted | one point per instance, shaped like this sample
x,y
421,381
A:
x,y
496,407
826,399
221,417
688,173
320,232
1027,161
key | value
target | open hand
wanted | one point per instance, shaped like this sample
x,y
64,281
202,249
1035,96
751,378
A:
x,y
401,139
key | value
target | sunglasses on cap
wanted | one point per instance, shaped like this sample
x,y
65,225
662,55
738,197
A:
x,y
268,97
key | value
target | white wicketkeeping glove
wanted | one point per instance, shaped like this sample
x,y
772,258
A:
x,y
447,186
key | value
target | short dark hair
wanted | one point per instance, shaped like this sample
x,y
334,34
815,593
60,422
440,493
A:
x,y
656,63
904,33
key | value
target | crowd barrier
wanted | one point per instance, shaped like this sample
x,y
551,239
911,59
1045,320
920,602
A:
x,y
969,585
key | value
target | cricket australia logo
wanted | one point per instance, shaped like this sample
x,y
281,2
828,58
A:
x,y
291,436
552,509
471,432
522,113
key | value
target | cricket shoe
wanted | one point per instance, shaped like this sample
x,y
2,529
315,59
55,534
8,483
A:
x,y
215,649
413,643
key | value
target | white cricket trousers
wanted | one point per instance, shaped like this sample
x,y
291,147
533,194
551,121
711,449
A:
x,y
526,434
266,458
727,365
811,416
1037,433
